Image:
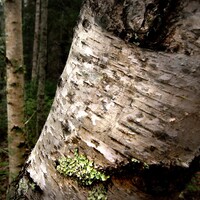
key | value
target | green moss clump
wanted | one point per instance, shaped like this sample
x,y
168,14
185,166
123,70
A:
x,y
98,193
80,168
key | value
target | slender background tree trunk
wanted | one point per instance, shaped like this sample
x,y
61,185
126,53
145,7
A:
x,y
42,66
15,86
36,42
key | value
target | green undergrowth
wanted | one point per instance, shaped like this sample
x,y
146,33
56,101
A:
x,y
31,108
3,170
80,168
194,185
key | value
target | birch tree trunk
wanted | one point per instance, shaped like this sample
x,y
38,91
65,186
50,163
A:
x,y
36,42
15,86
42,64
128,100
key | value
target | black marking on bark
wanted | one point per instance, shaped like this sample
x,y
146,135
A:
x,y
60,82
17,129
121,154
71,96
138,124
126,132
21,145
96,143
131,128
13,84
86,24
148,113
162,136
150,149
65,128
8,62
84,43
118,142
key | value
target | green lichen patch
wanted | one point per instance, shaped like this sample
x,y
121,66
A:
x,y
80,168
24,185
98,193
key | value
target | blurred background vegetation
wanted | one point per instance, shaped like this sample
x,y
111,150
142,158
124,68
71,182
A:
x,y
62,17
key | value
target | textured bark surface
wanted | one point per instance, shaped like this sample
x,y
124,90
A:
x,y
119,100
15,86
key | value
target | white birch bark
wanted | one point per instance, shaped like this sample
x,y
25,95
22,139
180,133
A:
x,y
15,86
119,103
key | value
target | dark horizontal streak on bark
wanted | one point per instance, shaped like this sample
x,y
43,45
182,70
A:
x,y
148,131
169,72
121,154
116,103
55,181
85,130
149,97
169,108
149,106
150,114
181,89
95,40
132,129
140,77
97,114
117,46
110,37
119,69
126,133
118,142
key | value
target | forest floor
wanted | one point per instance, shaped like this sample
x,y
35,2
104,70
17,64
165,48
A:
x,y
3,170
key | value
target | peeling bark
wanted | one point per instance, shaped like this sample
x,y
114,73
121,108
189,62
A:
x,y
134,111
